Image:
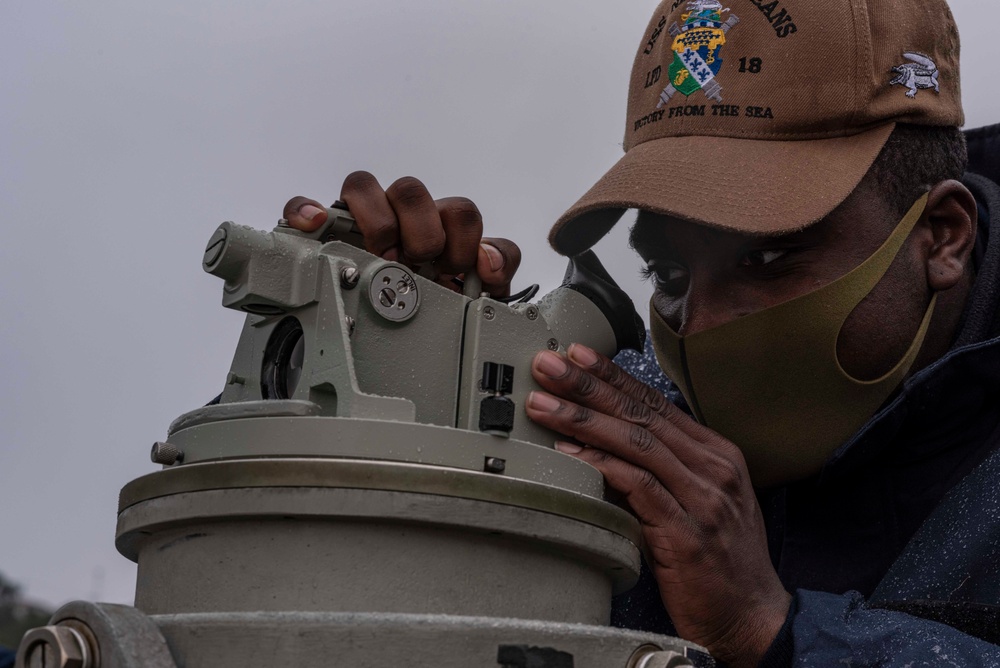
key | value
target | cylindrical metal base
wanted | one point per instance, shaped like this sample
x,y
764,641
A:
x,y
340,560
540,553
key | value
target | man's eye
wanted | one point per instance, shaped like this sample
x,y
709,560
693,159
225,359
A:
x,y
760,258
671,279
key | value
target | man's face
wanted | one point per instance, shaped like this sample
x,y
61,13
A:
x,y
705,277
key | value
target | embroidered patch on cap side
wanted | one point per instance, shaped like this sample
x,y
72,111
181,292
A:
x,y
920,73
696,48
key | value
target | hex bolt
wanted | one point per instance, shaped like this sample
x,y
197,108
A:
x,y
489,313
215,247
532,313
53,647
495,465
166,454
351,325
553,345
349,277
233,379
651,656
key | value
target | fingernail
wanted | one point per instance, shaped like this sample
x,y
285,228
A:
x,y
309,212
568,448
552,365
543,402
582,355
494,256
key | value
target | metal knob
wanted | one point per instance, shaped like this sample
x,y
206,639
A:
x,y
394,293
217,244
166,454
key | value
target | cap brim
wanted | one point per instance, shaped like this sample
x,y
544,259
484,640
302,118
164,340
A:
x,y
753,186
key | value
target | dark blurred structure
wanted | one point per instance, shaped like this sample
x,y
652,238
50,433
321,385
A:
x,y
16,617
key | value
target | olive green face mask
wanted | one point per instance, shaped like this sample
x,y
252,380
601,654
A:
x,y
771,381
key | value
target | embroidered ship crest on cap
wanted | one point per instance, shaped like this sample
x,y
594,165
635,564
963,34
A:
x,y
920,72
696,48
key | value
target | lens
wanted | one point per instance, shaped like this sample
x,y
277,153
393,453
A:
x,y
294,370
284,356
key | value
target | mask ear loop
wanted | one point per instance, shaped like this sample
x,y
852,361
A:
x,y
872,271
909,357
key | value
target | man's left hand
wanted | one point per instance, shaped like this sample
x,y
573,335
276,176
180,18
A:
x,y
689,488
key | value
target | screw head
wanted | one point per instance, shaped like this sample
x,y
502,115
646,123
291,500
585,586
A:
x,y
387,297
532,313
349,277
553,345
489,313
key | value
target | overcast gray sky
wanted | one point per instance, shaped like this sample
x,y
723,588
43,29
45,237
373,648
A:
x,y
129,130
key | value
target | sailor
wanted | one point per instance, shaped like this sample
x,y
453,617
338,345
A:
x,y
818,483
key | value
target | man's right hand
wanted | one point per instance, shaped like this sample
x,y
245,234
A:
x,y
403,223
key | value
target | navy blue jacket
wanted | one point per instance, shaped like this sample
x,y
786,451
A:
x,y
892,553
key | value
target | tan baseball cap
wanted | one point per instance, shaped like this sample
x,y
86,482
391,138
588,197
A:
x,y
764,115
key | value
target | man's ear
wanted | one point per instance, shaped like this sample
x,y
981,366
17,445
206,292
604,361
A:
x,y
952,217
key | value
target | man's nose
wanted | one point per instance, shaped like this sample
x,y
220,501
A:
x,y
703,310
